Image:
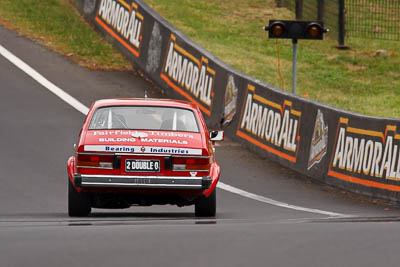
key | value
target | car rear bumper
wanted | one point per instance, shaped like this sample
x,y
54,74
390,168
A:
x,y
134,181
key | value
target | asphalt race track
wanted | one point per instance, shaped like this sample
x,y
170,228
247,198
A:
x,y
37,133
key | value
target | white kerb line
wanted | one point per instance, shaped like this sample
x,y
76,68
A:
x,y
270,201
43,81
83,109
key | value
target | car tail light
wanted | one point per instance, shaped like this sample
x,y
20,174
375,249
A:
x,y
95,161
191,164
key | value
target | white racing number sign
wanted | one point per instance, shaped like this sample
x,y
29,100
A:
x,y
142,165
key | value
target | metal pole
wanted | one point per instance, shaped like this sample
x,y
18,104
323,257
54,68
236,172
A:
x,y
299,9
321,10
342,26
294,66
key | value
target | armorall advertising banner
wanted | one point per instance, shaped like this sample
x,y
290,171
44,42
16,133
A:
x,y
189,75
270,124
366,154
123,21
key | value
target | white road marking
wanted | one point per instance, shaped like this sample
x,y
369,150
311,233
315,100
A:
x,y
270,201
43,81
83,109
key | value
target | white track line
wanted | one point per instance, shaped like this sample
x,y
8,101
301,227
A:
x,y
83,109
274,202
43,81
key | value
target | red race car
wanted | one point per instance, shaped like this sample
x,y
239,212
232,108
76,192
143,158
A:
x,y
143,152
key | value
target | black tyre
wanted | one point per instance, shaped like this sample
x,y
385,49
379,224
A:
x,y
78,203
206,206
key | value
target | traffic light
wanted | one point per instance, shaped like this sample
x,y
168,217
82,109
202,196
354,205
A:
x,y
292,29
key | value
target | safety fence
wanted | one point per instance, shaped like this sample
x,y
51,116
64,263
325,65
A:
x,y
372,19
355,152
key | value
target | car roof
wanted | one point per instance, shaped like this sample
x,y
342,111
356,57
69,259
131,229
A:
x,y
143,102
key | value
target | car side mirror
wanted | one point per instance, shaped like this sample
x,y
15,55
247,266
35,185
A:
x,y
216,135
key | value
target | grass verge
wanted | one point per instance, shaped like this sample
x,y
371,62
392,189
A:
x,y
58,25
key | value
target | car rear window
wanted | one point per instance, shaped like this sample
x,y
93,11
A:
x,y
144,118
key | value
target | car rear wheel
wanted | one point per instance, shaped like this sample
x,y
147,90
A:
x,y
206,206
78,203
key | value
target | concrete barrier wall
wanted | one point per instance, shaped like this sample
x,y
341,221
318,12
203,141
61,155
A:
x,y
351,151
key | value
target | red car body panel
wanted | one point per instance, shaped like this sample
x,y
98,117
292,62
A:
x,y
131,144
